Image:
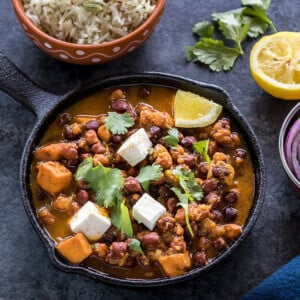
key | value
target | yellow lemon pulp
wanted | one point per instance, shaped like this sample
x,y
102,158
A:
x,y
191,110
275,64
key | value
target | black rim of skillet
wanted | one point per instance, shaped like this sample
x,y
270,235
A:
x,y
50,110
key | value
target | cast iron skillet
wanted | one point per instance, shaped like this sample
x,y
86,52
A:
x,y
46,106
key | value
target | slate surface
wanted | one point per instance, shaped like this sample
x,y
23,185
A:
x,y
26,271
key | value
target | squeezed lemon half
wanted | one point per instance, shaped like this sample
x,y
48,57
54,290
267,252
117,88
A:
x,y
275,64
192,110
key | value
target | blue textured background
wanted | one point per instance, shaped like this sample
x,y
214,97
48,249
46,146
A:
x,y
25,269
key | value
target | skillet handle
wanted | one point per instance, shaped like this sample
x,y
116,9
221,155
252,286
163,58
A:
x,y
21,88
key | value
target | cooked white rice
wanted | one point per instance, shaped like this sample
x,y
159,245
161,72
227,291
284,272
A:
x,y
70,21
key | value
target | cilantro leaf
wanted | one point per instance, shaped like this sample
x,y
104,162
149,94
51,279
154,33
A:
x,y
189,184
250,20
149,173
215,54
263,4
106,182
125,225
203,29
233,29
202,147
121,219
136,246
189,53
118,123
172,139
256,26
84,169
184,203
259,13
236,12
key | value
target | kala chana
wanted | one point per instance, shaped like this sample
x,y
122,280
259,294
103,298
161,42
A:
x,y
127,193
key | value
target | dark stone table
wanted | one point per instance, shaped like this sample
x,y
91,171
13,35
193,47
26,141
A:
x,y
25,269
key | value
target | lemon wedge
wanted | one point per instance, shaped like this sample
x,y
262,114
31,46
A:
x,y
192,110
275,64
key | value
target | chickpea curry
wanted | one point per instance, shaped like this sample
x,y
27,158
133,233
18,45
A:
x,y
122,190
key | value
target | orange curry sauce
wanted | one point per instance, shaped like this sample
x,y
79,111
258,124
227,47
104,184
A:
x,y
161,98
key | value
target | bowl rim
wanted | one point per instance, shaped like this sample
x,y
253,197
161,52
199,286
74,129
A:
x,y
281,140
20,11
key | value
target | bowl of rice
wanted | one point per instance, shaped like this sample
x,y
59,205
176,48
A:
x,y
88,32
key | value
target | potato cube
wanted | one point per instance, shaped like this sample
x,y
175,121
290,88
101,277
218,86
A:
x,y
53,177
75,249
175,264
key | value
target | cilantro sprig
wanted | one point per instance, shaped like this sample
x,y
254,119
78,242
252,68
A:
x,y
136,246
118,123
172,139
202,148
189,184
184,203
107,184
235,25
147,174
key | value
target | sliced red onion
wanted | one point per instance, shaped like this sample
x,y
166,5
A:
x,y
295,128
295,161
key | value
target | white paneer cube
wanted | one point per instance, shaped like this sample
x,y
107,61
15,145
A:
x,y
89,221
147,211
136,147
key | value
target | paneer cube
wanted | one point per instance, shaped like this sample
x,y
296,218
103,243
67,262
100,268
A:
x,y
147,211
136,147
53,177
75,249
91,221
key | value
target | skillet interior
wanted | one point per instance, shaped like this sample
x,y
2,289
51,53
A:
x,y
206,90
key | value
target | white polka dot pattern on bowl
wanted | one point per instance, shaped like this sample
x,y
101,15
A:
x,y
48,45
80,52
116,49
63,56
96,60
82,57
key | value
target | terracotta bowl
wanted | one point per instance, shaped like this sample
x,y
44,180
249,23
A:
x,y
88,54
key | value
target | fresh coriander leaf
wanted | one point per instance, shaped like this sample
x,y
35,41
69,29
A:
x,y
125,225
149,173
203,29
233,29
260,14
118,123
172,138
263,4
136,246
189,184
202,147
106,182
236,12
120,218
184,203
256,26
215,54
189,53
84,169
